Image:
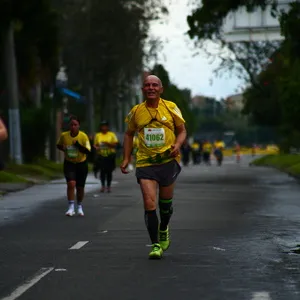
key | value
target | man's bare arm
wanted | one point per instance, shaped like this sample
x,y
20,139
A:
x,y
181,134
128,145
180,138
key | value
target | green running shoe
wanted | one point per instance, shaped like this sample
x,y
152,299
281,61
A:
x,y
164,239
156,252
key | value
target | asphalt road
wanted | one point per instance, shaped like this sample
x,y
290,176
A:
x,y
232,232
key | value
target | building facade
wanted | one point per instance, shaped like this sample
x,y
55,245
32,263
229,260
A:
x,y
234,102
259,25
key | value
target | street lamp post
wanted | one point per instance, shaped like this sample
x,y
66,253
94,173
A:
x,y
61,81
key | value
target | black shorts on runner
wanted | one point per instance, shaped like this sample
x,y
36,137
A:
x,y
164,174
76,172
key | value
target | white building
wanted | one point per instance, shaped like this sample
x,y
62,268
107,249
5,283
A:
x,y
258,25
235,102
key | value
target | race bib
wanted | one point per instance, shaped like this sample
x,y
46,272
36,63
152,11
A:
x,y
154,137
104,149
72,151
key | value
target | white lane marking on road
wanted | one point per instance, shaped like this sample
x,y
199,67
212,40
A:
x,y
261,296
28,284
219,249
60,270
78,245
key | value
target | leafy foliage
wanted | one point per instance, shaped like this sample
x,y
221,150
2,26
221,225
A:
x,y
103,45
36,39
206,21
247,57
35,127
276,103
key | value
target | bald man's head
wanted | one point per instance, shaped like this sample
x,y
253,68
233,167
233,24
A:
x,y
153,78
152,88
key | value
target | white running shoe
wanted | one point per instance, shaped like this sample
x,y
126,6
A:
x,y
80,211
71,211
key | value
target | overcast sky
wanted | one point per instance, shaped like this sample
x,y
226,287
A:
x,y
185,70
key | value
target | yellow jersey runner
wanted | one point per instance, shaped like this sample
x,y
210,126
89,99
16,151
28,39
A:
x,y
155,129
72,152
102,138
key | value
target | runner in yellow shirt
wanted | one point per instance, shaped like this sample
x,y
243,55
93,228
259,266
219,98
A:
x,y
105,143
196,152
157,161
76,146
219,147
207,147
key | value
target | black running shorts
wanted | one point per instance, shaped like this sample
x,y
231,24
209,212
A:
x,y
164,174
76,172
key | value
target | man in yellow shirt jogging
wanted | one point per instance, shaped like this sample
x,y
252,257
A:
x,y
156,122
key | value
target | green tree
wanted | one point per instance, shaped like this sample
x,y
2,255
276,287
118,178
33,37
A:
x,y
36,40
36,46
276,102
247,57
103,45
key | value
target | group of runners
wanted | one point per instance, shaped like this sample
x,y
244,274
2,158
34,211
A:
x,y
202,152
153,139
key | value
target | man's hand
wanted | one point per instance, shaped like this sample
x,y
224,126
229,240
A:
x,y
175,150
124,166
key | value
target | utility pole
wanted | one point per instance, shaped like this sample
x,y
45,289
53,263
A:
x,y
90,96
52,137
13,96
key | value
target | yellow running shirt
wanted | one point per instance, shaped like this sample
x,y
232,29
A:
x,y
135,142
108,137
156,131
72,153
195,146
207,147
219,145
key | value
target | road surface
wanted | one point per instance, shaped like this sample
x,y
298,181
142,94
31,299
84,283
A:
x,y
232,233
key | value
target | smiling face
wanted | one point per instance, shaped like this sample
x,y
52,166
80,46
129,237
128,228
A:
x,y
152,88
